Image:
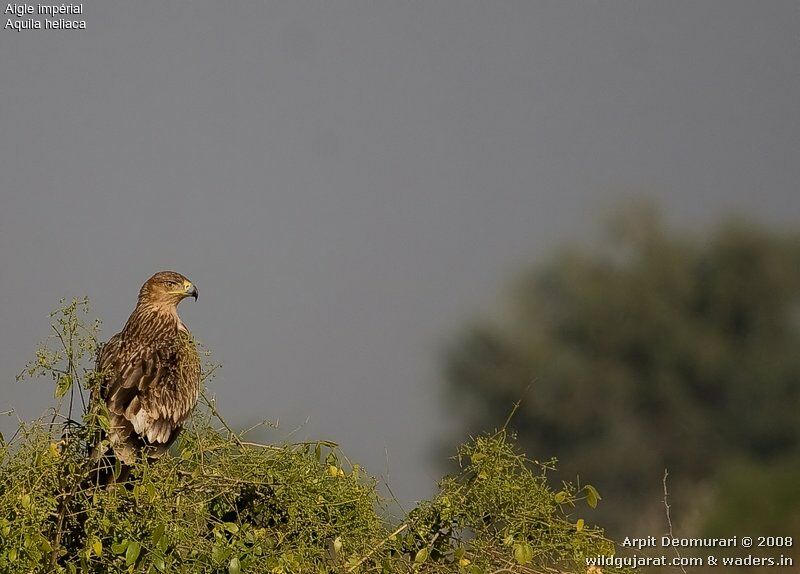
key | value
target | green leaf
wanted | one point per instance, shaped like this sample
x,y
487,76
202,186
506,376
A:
x,y
523,553
218,553
44,545
421,556
158,532
592,496
234,567
97,547
231,527
579,525
63,385
560,497
132,553
119,547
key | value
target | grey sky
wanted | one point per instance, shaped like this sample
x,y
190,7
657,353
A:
x,y
347,181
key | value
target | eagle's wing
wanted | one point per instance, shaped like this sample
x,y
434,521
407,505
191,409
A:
x,y
109,355
135,378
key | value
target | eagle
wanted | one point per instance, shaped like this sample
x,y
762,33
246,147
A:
x,y
149,372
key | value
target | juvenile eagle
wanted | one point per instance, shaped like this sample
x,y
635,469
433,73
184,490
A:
x,y
151,371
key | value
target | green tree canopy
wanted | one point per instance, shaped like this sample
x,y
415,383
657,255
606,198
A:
x,y
658,350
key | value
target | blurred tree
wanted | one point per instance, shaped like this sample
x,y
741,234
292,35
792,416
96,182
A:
x,y
656,350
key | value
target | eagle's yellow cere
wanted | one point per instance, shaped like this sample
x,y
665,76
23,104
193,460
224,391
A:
x,y
151,371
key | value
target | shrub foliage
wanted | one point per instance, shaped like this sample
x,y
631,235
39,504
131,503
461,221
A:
x,y
222,503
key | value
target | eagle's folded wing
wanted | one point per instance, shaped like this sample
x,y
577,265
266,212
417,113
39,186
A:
x,y
132,397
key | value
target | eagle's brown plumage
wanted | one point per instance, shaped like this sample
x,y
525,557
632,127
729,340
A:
x,y
151,371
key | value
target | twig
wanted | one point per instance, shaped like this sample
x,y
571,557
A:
x,y
215,412
209,373
514,410
265,422
259,445
378,547
669,519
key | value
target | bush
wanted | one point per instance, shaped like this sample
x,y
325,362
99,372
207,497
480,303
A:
x,y
222,503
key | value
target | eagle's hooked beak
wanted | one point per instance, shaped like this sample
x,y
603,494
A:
x,y
191,290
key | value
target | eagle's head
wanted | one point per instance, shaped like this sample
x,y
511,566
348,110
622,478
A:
x,y
166,288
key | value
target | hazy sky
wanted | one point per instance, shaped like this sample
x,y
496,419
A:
x,y
346,182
